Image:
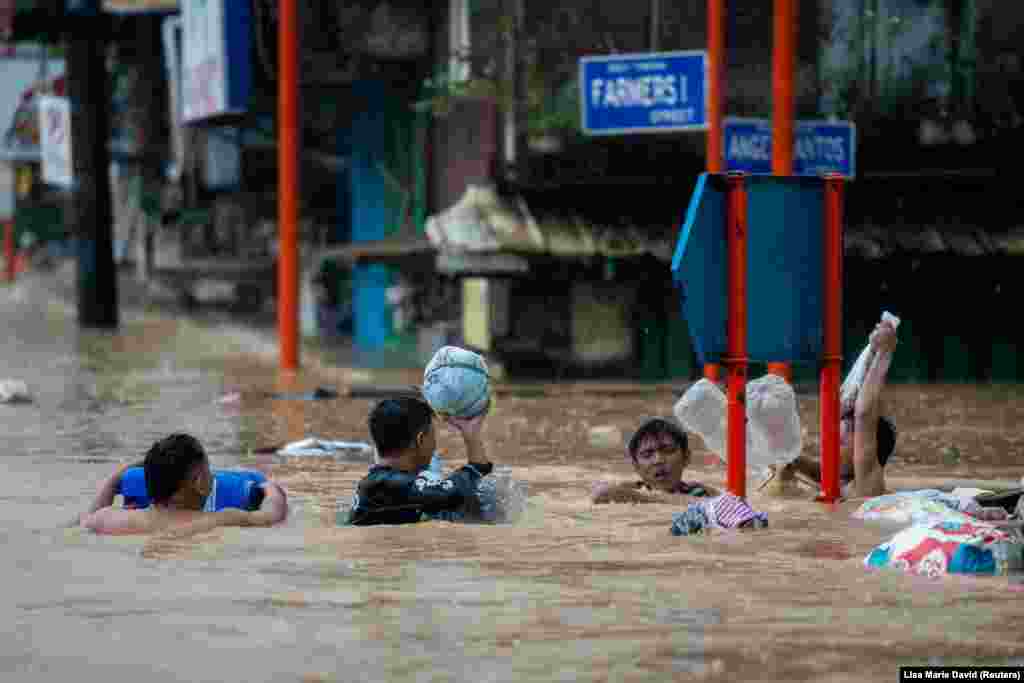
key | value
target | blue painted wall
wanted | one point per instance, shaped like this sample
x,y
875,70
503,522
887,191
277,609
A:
x,y
369,136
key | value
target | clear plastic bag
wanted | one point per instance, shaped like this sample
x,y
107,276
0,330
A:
x,y
702,411
502,499
774,433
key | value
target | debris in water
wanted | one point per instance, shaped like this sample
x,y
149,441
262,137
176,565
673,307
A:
x,y
318,394
606,436
319,448
230,399
14,391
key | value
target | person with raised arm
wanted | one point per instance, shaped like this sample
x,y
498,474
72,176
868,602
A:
x,y
867,438
400,488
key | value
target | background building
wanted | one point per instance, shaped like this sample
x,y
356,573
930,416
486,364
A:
x,y
427,126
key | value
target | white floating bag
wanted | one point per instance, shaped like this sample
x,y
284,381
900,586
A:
x,y
456,383
702,410
774,434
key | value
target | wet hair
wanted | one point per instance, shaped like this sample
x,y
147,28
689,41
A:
x,y
653,427
169,463
396,422
886,439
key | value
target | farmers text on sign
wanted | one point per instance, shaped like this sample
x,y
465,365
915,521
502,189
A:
x,y
651,92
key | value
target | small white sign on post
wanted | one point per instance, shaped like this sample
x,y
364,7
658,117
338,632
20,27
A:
x,y
216,67
55,140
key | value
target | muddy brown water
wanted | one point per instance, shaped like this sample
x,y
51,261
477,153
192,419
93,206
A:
x,y
571,592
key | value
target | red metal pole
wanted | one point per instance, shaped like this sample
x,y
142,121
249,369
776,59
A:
x,y
9,250
833,303
288,184
715,158
736,363
783,59
716,85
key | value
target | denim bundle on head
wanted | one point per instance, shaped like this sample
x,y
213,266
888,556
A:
x,y
456,383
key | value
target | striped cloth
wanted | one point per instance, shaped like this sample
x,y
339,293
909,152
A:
x,y
729,511
721,512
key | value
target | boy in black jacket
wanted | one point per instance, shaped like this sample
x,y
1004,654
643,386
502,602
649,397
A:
x,y
401,489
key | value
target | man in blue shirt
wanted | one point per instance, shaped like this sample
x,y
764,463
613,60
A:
x,y
178,488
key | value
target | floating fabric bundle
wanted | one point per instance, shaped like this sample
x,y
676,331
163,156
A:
x,y
721,512
951,547
926,506
456,383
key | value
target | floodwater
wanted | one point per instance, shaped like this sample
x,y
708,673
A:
x,y
572,592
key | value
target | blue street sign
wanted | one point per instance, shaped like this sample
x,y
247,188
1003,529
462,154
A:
x,y
656,92
82,8
820,147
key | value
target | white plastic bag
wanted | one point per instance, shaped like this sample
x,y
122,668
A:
x,y
702,410
851,385
774,434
